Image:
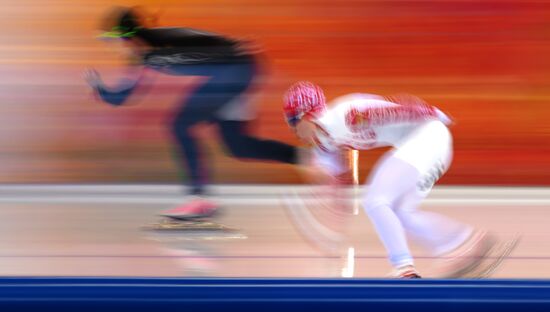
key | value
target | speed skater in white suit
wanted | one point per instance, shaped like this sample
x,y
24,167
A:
x,y
403,177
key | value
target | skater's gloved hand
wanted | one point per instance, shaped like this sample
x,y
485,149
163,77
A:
x,y
345,178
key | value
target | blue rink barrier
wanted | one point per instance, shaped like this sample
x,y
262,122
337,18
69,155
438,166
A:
x,y
171,294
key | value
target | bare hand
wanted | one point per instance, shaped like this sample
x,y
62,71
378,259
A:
x,y
92,78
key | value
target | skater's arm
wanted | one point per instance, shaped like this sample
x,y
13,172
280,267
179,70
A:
x,y
332,162
327,168
117,95
391,114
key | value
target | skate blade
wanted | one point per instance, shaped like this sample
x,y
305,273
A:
x,y
493,262
184,226
196,236
215,213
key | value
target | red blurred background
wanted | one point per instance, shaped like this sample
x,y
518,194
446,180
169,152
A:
x,y
483,62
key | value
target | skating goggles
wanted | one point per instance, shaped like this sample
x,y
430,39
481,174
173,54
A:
x,y
293,120
119,32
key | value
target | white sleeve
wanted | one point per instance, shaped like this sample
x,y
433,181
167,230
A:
x,y
332,162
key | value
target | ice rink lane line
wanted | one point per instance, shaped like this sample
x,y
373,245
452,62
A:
x,y
256,257
260,200
220,190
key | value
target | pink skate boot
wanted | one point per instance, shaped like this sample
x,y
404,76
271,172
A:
x,y
196,208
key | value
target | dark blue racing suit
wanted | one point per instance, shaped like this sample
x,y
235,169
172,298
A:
x,y
220,100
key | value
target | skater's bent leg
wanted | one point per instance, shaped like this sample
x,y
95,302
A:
x,y
192,159
389,181
435,232
202,106
242,145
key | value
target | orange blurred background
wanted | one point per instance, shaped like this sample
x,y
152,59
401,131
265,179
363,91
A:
x,y
484,62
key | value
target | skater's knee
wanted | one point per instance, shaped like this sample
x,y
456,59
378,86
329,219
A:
x,y
239,145
180,128
372,204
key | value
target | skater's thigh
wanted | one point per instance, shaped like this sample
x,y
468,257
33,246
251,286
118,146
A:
x,y
391,179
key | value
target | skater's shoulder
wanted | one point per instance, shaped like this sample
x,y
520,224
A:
x,y
182,36
353,99
342,105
